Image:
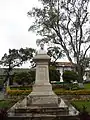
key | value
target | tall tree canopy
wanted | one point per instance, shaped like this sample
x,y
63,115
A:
x,y
65,23
15,58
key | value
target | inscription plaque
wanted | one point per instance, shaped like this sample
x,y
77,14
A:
x,y
42,72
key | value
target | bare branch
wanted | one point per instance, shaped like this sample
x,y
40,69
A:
x,y
86,51
84,18
73,46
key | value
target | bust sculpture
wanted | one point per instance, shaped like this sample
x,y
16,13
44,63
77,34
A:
x,y
42,46
41,50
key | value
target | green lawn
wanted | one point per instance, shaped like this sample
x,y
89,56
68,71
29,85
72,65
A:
x,y
80,104
7,103
87,86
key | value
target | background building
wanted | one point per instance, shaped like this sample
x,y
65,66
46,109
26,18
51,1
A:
x,y
62,66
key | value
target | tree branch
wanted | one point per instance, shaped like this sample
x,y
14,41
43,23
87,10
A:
x,y
86,51
73,46
84,18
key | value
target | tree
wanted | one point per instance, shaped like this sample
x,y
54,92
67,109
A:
x,y
15,58
65,24
55,53
54,74
24,77
69,76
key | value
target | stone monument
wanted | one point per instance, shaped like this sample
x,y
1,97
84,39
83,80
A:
x,y
42,93
42,102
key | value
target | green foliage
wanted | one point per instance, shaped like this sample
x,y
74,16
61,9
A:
x,y
18,92
20,87
1,82
7,103
54,74
58,91
87,86
55,53
82,105
71,92
69,76
84,114
15,58
24,77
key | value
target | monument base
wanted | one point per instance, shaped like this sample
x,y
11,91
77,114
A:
x,y
40,110
42,100
47,109
42,95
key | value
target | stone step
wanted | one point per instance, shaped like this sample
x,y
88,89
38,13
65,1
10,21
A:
x,y
43,110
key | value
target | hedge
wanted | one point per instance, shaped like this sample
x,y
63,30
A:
x,y
18,92
72,92
57,91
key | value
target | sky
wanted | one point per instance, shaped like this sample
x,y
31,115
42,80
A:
x,y
14,24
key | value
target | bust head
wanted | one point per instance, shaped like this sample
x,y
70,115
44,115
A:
x,y
41,50
42,45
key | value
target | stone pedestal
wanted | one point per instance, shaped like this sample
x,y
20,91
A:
x,y
42,93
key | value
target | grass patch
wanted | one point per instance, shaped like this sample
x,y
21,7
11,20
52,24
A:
x,y
79,104
7,103
87,86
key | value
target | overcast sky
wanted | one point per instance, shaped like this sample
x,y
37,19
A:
x,y
14,24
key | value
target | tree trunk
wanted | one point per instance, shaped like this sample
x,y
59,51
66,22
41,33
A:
x,y
80,76
8,82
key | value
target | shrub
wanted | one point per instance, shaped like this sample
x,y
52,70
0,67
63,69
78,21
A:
x,y
69,76
57,91
20,87
74,92
24,77
18,92
54,75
